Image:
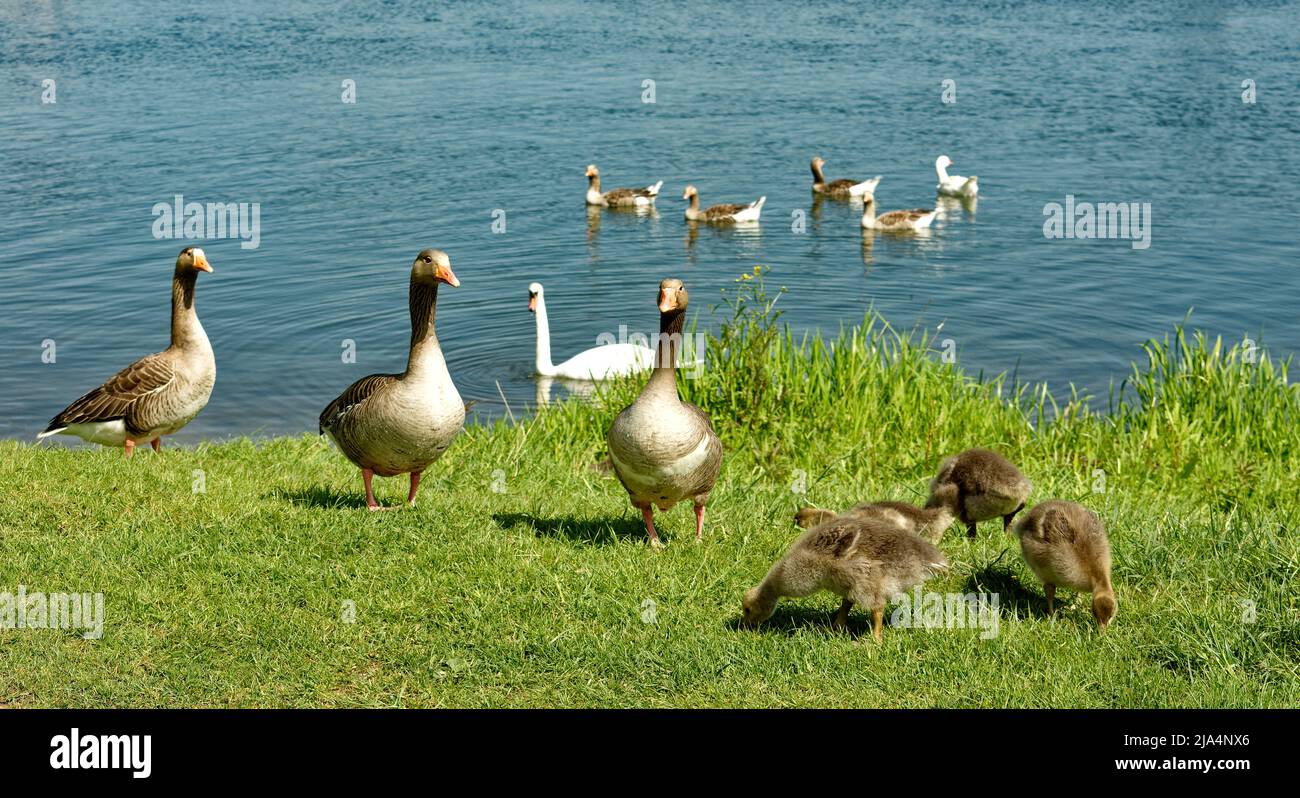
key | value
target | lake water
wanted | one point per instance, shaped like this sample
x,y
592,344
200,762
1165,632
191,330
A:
x,y
464,111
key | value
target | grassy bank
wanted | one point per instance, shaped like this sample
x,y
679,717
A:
x,y
523,578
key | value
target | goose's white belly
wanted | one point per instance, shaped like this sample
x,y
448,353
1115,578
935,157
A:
x,y
594,197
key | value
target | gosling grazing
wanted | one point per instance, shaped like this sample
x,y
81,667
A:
x,y
863,560
979,485
928,522
1065,544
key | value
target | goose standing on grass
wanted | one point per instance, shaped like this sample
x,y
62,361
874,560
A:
x,y
865,561
1065,544
980,485
618,197
954,185
721,213
390,424
894,221
597,363
840,189
159,393
927,522
664,450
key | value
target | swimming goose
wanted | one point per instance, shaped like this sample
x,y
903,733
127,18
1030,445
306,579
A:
x,y
894,221
1065,544
619,197
954,185
597,363
721,213
928,522
979,485
389,424
159,393
664,450
865,561
843,188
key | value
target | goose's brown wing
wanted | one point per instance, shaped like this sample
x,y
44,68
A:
x,y
840,186
356,393
1054,527
624,194
716,212
712,466
898,217
127,395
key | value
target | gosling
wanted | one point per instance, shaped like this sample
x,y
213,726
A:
x,y
929,522
980,485
862,560
1065,544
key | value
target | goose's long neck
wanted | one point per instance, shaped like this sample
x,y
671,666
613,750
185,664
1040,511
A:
x,y
544,365
817,174
424,341
942,170
695,202
593,183
187,333
663,381
868,214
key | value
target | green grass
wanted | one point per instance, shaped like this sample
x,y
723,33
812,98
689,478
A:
x,y
535,595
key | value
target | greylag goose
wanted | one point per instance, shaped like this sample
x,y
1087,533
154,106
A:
x,y
390,424
927,522
894,221
840,189
159,393
979,485
1065,544
618,197
597,363
954,185
723,214
863,560
664,450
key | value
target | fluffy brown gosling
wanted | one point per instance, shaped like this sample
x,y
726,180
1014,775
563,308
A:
x,y
928,522
980,485
865,561
1065,544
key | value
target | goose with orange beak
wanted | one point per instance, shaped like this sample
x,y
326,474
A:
x,y
158,394
665,450
390,424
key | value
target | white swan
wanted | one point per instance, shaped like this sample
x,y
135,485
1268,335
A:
x,y
597,363
954,185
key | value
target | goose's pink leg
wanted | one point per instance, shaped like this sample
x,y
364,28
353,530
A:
x,y
647,513
366,476
699,521
415,485
130,448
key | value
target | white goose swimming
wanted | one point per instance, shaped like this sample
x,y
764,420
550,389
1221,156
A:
x,y
597,363
954,185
